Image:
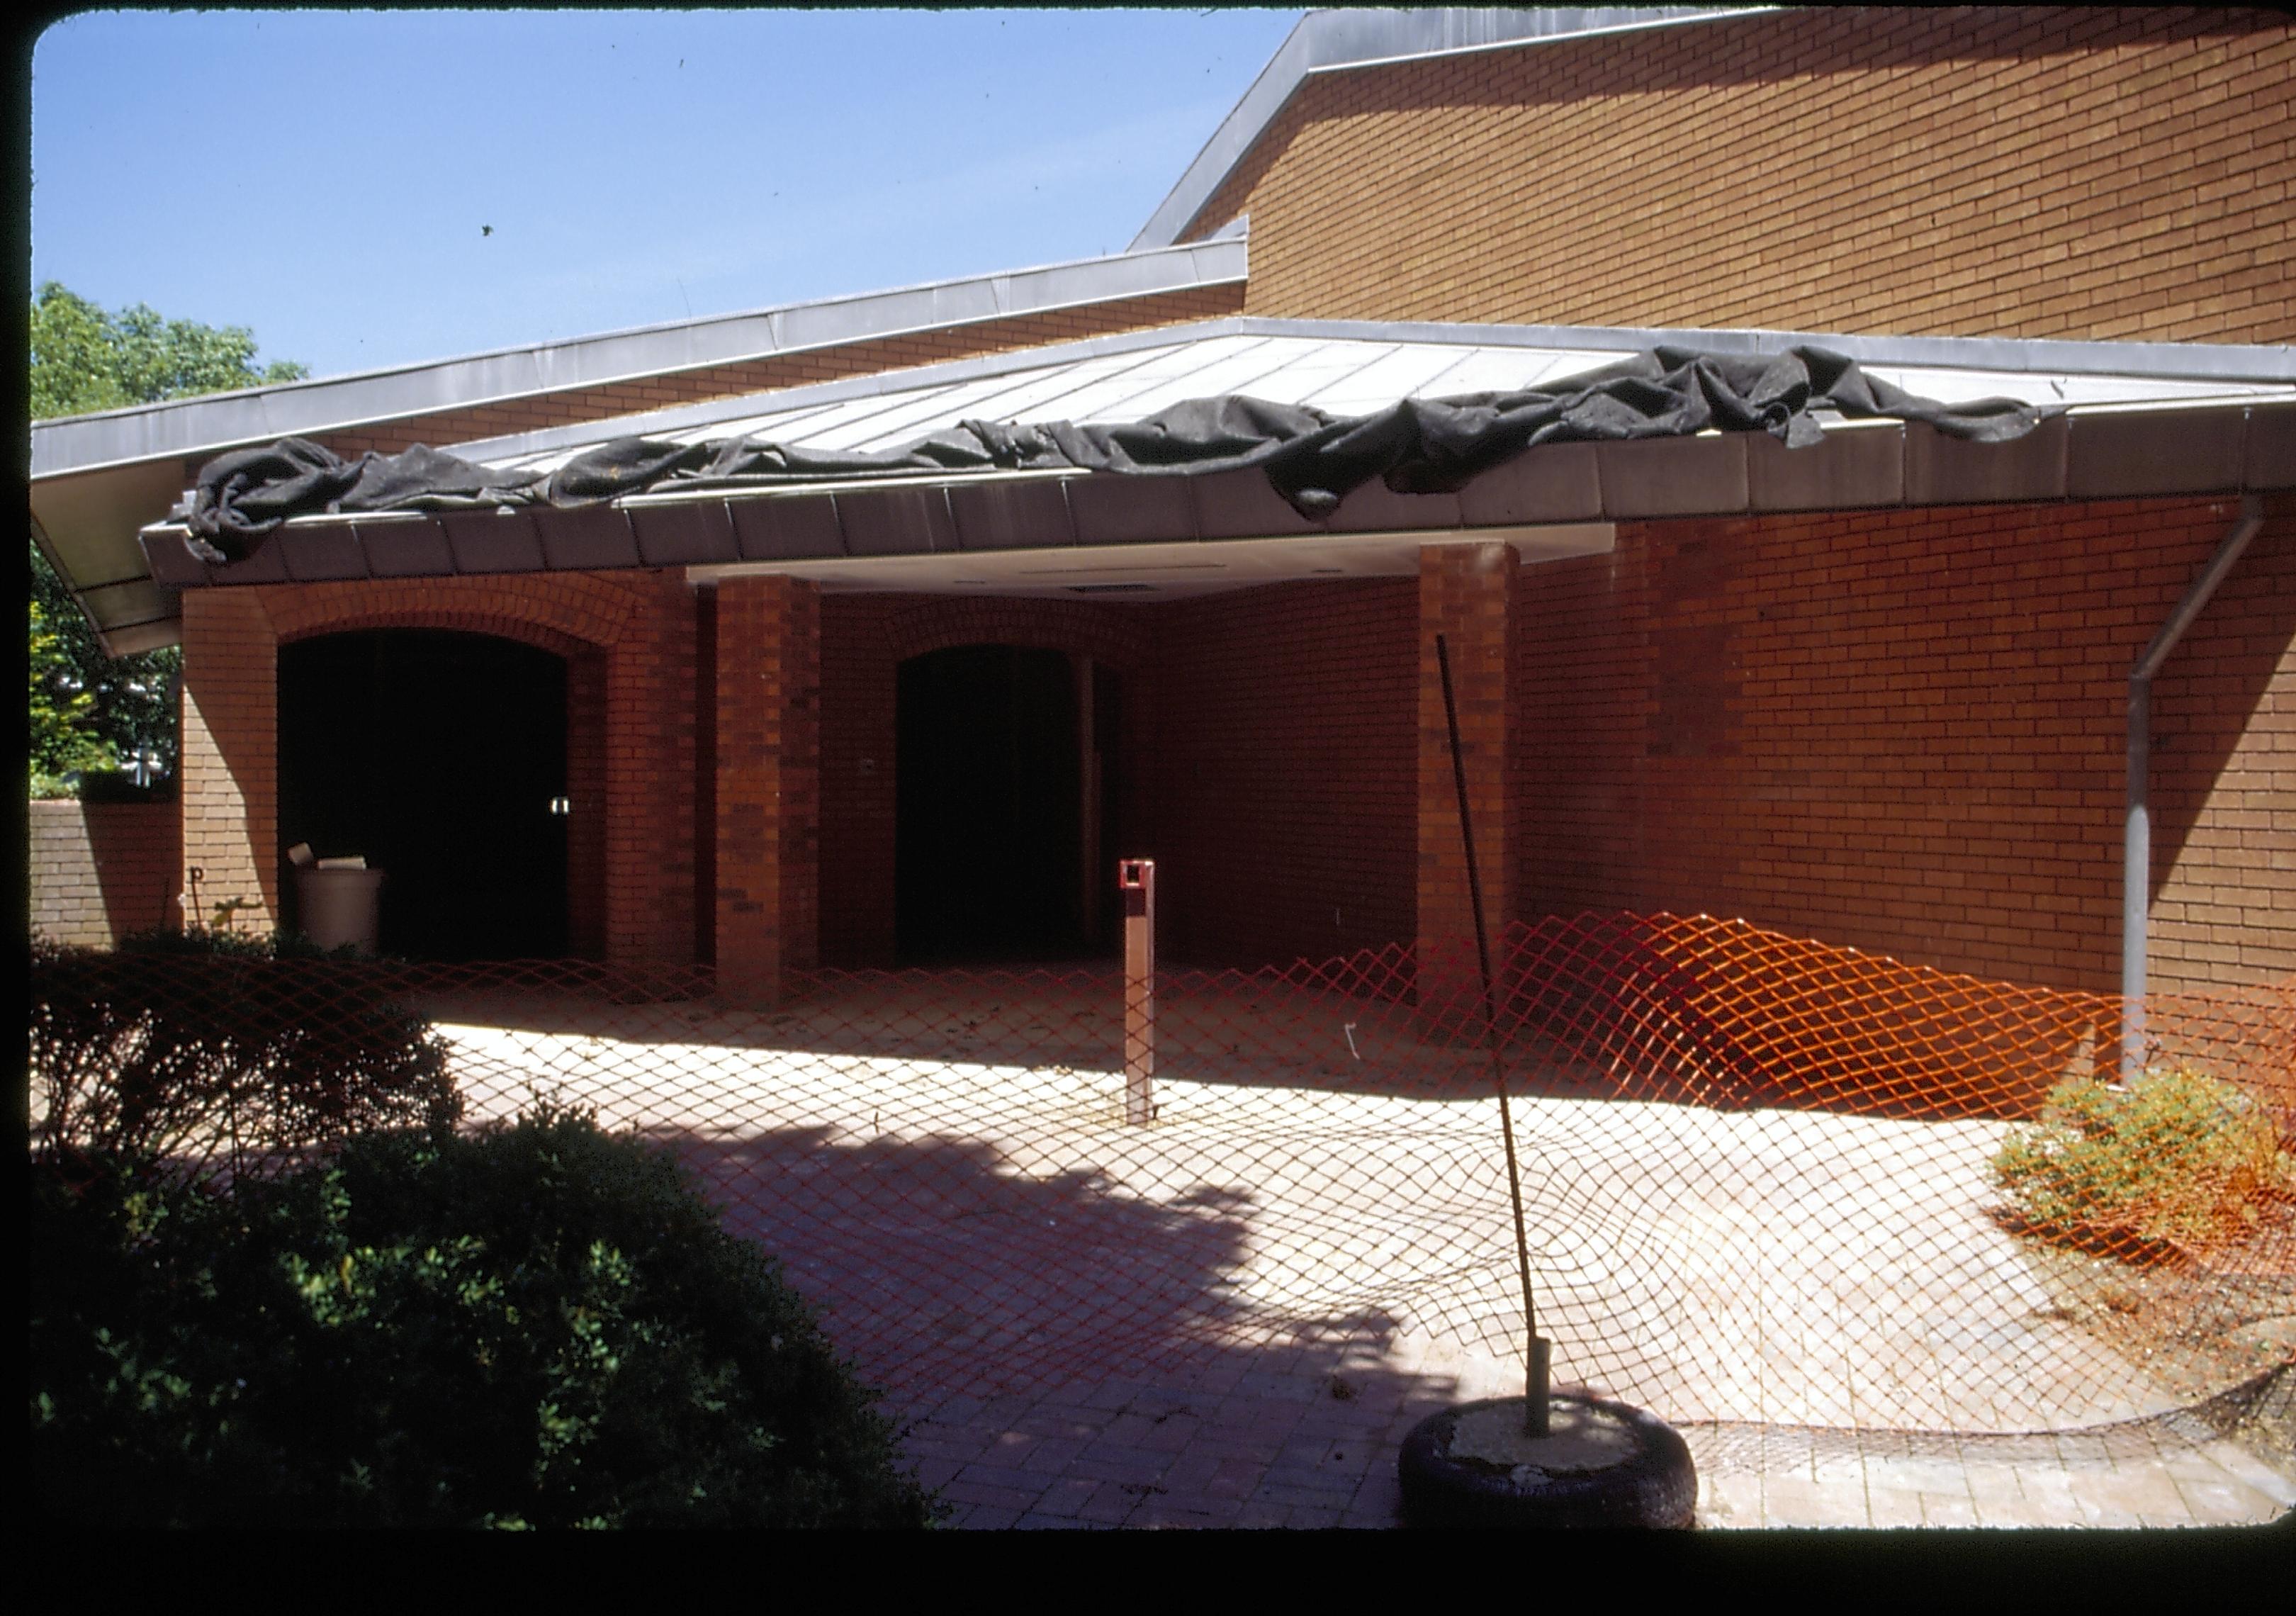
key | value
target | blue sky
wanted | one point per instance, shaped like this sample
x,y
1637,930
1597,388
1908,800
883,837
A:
x,y
325,177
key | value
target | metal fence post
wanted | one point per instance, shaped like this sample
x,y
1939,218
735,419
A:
x,y
1135,878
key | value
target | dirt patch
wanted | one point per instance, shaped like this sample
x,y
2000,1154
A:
x,y
2197,1326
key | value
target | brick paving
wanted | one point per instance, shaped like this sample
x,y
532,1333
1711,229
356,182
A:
x,y
1306,1440
937,1207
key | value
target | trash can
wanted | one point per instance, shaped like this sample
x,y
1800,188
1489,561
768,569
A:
x,y
339,907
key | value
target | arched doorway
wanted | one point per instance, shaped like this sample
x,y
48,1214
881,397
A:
x,y
1006,791
440,758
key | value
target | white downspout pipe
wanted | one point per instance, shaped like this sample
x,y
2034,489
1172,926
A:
x,y
2136,848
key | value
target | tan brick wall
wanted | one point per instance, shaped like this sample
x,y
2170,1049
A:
x,y
573,405
2022,171
229,758
1904,731
101,870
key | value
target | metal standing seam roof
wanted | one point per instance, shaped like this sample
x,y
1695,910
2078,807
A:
x,y
1351,368
97,479
2137,419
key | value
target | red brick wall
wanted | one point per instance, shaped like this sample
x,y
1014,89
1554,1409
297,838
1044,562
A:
x,y
630,640
1896,730
2224,778
1904,731
793,370
99,869
1468,593
765,744
864,639
1267,755
586,792
2025,171
1282,778
858,782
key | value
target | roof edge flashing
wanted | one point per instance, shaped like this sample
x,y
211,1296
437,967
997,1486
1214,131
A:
x,y
1214,263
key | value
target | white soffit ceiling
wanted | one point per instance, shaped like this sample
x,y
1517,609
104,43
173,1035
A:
x,y
1173,572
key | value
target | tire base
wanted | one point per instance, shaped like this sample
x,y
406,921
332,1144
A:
x,y
1652,1485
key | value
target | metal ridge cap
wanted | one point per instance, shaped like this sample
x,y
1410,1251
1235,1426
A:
x,y
1228,260
1317,44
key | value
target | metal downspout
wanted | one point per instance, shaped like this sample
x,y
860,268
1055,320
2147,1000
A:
x,y
2137,849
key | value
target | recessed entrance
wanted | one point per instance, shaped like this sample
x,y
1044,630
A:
x,y
441,758
1006,788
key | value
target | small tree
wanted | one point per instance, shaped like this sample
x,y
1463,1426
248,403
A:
x,y
61,731
89,711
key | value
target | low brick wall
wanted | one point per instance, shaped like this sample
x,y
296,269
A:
x,y
101,870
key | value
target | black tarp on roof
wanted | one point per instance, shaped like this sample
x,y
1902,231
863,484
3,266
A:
x,y
1313,460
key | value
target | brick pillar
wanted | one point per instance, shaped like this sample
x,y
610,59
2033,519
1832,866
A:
x,y
229,767
767,689
1467,594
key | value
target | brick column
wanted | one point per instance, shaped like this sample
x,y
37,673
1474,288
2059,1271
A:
x,y
766,817
229,767
1467,594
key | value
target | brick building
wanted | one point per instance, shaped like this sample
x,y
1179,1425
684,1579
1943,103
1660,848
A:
x,y
1875,691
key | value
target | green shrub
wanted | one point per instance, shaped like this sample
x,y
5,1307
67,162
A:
x,y
2177,1158
196,1045
542,1326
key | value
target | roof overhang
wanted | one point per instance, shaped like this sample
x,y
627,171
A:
x,y
2141,420
97,479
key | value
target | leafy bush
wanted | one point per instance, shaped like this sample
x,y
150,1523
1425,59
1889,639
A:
x,y
542,1326
190,1045
2177,1158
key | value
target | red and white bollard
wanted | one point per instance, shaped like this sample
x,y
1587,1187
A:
x,y
1135,878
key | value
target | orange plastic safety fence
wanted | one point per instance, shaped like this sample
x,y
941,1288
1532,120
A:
x,y
1765,1179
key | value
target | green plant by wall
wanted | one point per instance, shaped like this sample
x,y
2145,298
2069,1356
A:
x,y
2179,1158
212,1046
541,1326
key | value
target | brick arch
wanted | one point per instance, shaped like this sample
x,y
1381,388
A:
x,y
627,641
569,618
1106,633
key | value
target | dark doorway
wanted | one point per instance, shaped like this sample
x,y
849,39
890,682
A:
x,y
992,856
441,758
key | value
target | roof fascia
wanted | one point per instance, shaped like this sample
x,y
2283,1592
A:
x,y
1348,38
215,422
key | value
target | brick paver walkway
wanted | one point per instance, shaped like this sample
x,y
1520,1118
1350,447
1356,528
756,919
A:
x,y
1303,1441
939,1208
